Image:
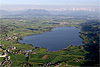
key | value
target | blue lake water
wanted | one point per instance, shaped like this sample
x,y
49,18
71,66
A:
x,y
56,39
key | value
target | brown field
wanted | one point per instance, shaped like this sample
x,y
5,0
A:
x,y
15,33
45,56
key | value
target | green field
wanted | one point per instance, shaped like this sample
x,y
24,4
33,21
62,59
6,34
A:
x,y
20,28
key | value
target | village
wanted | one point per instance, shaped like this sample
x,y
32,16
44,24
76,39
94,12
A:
x,y
13,53
9,38
4,54
7,59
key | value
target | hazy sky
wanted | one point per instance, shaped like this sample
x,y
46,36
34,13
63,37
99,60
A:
x,y
4,4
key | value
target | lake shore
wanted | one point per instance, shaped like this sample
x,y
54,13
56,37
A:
x,y
47,31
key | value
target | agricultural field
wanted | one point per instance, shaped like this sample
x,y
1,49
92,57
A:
x,y
28,55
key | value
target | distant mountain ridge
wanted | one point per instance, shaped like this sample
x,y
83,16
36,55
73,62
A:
x,y
36,12
25,12
4,12
41,12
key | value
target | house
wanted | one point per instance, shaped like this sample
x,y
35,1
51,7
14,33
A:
x,y
5,38
8,57
14,37
8,50
76,60
33,52
82,58
0,49
9,38
26,54
3,55
28,51
13,48
19,52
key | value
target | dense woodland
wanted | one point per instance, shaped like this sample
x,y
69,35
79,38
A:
x,y
90,32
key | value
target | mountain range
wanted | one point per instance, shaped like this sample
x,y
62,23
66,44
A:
x,y
42,12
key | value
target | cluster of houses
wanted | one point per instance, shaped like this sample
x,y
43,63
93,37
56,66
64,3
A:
x,y
26,54
23,51
6,62
50,64
76,60
57,64
3,53
13,48
17,52
9,38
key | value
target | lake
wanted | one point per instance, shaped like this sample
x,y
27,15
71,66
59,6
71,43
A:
x,y
56,39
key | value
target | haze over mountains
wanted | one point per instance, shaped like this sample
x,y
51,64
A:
x,y
62,11
4,12
25,12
